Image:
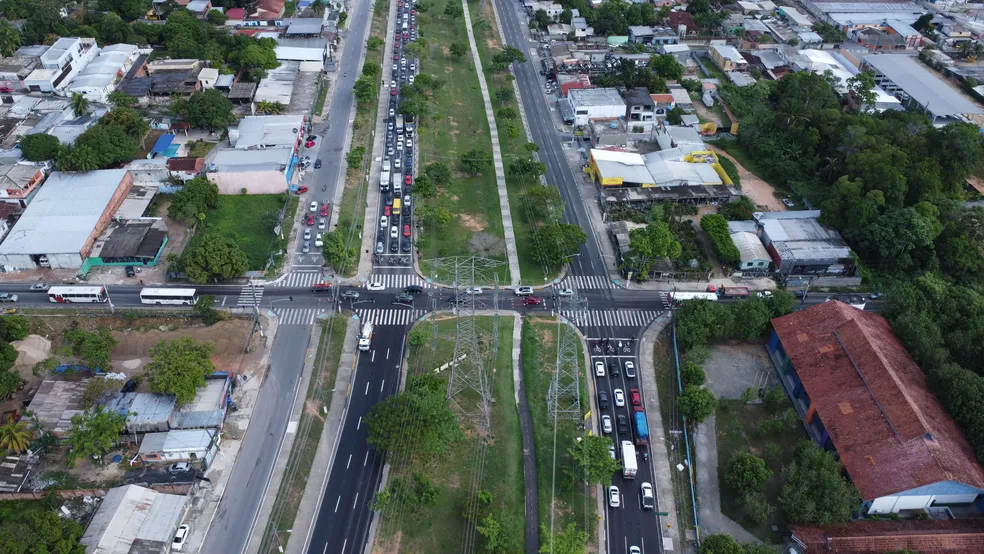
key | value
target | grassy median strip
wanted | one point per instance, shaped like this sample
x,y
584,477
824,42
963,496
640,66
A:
x,y
574,503
455,123
512,142
309,429
439,525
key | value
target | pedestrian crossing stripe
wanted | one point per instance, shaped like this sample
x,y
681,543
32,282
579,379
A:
x,y
611,318
298,316
250,296
586,282
300,279
398,316
399,281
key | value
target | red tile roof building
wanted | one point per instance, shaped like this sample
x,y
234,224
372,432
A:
x,y
862,394
685,19
188,165
952,536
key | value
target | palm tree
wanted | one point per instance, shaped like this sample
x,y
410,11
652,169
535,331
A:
x,y
79,104
318,6
15,437
10,38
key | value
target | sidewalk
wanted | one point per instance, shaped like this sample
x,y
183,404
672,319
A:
x,y
660,460
500,173
310,505
279,467
529,450
712,520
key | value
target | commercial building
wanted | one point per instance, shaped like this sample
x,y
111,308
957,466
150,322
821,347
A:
x,y
278,85
101,75
834,64
728,58
846,14
133,519
130,241
878,40
918,89
596,103
261,157
800,245
944,536
60,226
795,17
61,63
861,394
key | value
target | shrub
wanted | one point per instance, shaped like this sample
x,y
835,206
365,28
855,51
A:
x,y
716,227
692,374
747,473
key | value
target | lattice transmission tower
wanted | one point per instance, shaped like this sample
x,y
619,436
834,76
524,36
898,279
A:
x,y
564,394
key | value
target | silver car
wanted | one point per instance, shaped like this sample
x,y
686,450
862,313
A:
x,y
307,247
379,247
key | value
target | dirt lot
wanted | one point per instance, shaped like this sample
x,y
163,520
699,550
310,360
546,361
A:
x,y
758,191
736,366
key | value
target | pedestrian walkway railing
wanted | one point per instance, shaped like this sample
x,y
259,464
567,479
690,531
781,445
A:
x,y
686,438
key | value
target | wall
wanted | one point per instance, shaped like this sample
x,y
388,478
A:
x,y
107,216
255,182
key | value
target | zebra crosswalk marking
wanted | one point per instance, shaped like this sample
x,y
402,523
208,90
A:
x,y
586,282
301,279
298,316
250,296
611,318
396,316
399,280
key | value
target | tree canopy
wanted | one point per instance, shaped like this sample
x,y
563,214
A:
x,y
113,141
39,147
214,257
196,197
35,527
813,489
179,367
94,433
207,109
388,423
593,460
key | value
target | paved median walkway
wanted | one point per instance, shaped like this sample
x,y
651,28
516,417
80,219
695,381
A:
x,y
500,173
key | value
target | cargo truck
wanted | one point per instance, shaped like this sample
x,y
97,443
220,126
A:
x,y
399,123
365,337
629,464
734,292
408,125
384,181
641,427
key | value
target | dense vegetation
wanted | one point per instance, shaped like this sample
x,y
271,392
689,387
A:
x,y
35,526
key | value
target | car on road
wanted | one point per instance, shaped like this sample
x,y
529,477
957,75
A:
x,y
386,211
396,163
306,248
392,112
375,285
474,290
623,423
406,230
324,210
565,292
307,234
403,298
317,163
413,289
635,397
648,499
314,206
603,400
301,190
630,369
380,248
611,452
7,297
318,242
606,424
309,219
394,246
350,294
613,367
394,232
614,497
408,180
405,245
180,537
523,291
599,369
619,397
634,550
392,92
383,221
532,301
39,287
322,223
180,467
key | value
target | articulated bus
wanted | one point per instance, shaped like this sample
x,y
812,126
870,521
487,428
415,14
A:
x,y
168,296
71,295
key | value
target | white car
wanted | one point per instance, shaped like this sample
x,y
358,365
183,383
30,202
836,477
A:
x,y
396,163
523,291
474,290
179,538
764,294
322,223
614,497
307,234
630,370
386,164
382,222
646,496
565,292
599,369
406,200
375,285
318,242
394,232
314,206
606,424
619,397
411,79
611,451
634,550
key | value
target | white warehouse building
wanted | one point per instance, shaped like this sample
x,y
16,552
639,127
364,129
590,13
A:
x,y
595,103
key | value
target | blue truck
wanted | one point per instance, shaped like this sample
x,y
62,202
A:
x,y
641,428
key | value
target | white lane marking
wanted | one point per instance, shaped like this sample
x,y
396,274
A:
x,y
337,502
359,424
349,462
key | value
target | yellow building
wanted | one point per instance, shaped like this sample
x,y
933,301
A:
x,y
728,58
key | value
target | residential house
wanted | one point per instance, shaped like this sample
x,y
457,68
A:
x,y
61,63
946,536
681,99
861,394
598,103
581,28
185,168
261,156
728,58
235,16
207,78
263,13
663,103
15,69
683,23
641,34
794,16
753,257
56,402
180,445
199,7
640,110
19,181
878,40
134,519
102,74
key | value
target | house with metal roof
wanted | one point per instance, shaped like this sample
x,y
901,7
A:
x,y
861,394
180,445
752,253
56,402
62,222
261,156
101,75
918,89
939,536
133,519
595,103
207,410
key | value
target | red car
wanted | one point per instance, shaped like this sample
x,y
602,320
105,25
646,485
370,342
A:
x,y
532,301
413,12
309,219
309,144
301,190
405,36
396,57
634,396
324,210
392,92
406,230
409,179
386,211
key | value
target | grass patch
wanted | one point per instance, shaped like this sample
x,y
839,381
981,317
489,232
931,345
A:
x,y
736,432
310,427
201,148
290,8
731,169
148,143
524,224
249,220
736,151
666,385
713,70
456,123
319,103
439,528
574,502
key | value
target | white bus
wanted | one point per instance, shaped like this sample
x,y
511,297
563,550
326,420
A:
x,y
69,295
168,296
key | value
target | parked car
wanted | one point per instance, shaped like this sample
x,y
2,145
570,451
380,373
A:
x,y
180,537
179,467
301,189
317,163
130,272
606,424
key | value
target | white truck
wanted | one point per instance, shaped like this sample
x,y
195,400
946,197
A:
x,y
629,464
384,181
365,338
399,123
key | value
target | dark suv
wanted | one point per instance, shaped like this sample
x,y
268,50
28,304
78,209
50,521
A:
x,y
413,289
403,298
603,400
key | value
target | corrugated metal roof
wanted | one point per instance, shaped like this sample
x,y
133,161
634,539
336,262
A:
x,y
924,87
152,442
130,514
749,246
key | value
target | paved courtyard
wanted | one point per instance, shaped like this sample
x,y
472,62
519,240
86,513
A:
x,y
737,366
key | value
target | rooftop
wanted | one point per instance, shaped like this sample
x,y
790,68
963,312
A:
x,y
56,402
305,26
638,96
17,176
177,441
749,246
198,6
728,52
924,87
267,131
206,410
231,159
64,212
148,411
131,514
140,239
596,97
953,536
890,431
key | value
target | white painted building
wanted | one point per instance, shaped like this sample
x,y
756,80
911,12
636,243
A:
x,y
102,74
66,58
595,103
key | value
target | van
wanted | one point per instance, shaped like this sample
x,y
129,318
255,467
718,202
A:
x,y
404,26
396,206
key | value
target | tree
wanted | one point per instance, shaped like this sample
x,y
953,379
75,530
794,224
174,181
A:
x,y
364,89
424,187
720,544
14,327
697,403
94,347
15,437
504,95
692,374
541,19
215,257
121,99
923,22
475,161
666,67
196,197
39,147
813,489
209,110
355,156
544,202
593,460
568,541
217,18
94,433
373,43
435,425
79,104
179,367
528,167
716,228
30,526
862,86
453,10
8,356
205,308
336,254
10,381
746,472
507,113
650,244
457,50
557,242
10,38
439,173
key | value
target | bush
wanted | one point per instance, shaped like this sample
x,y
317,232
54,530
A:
x,y
697,403
740,210
774,399
755,507
39,147
716,227
692,374
747,473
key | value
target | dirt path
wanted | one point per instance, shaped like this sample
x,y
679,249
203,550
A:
x,y
758,191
